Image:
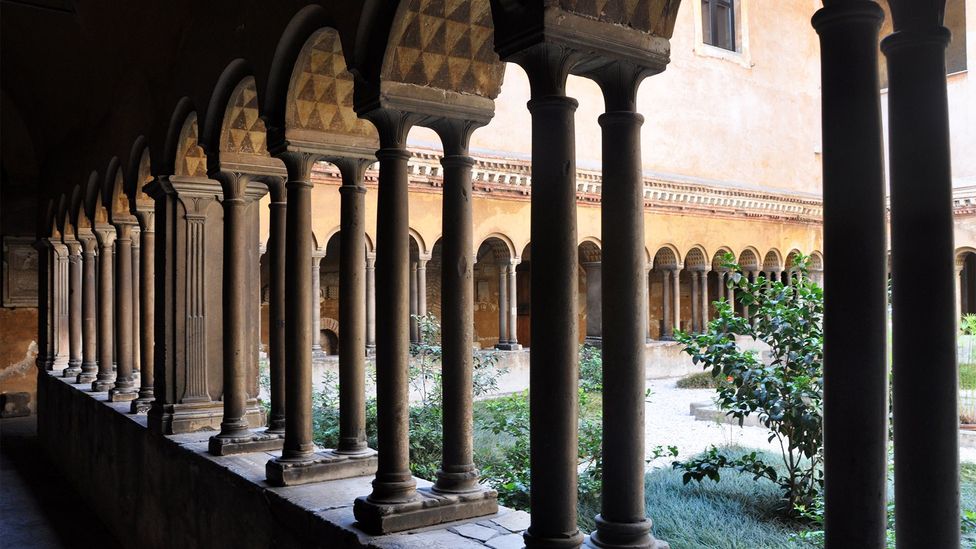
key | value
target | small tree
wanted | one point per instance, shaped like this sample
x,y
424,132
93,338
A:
x,y
786,393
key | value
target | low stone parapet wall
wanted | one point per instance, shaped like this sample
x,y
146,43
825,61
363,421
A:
x,y
152,490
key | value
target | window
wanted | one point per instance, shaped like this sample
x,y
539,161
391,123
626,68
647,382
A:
x,y
718,23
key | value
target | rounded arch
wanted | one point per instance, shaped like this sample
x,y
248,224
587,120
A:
x,y
419,240
138,173
816,261
331,233
589,250
78,218
773,261
718,259
749,259
190,159
791,259
370,247
315,242
166,164
93,197
667,257
962,252
526,254
114,199
237,73
502,238
697,258
500,250
62,216
50,216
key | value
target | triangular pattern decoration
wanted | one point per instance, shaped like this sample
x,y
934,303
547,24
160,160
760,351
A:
x,y
243,130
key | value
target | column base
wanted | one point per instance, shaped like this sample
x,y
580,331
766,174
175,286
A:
x,y
141,405
429,509
73,369
172,419
249,442
103,385
594,341
616,535
508,347
320,466
123,395
85,377
574,541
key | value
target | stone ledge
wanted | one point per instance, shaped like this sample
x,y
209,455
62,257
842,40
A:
x,y
156,490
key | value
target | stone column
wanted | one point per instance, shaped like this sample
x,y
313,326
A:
x,y
89,333
147,310
414,328
676,313
622,522
855,308
136,290
695,313
61,327
43,303
458,474
370,301
645,301
105,378
667,331
393,483
555,325
276,305
317,302
958,290
74,307
721,285
594,303
926,419
235,436
124,388
421,288
513,344
704,301
502,307
352,309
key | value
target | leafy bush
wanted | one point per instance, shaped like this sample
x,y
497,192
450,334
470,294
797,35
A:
x,y
786,394
701,380
968,324
590,368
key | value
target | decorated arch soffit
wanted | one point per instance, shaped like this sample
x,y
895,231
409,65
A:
x,y
772,261
94,206
191,161
243,136
718,260
319,115
79,219
590,252
138,176
119,210
656,17
440,61
695,259
666,259
749,260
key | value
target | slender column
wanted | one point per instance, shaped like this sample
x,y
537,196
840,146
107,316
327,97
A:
x,y
276,305
61,329
89,356
721,285
370,301
695,314
421,288
124,388
513,343
414,329
594,300
457,473
676,313
317,302
352,309
555,328
704,301
958,300
622,522
855,308
502,306
147,310
926,419
136,301
645,302
666,327
235,309
74,308
105,378
43,302
393,482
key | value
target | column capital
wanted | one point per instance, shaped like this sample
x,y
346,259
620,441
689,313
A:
x,y
105,234
392,125
455,134
844,14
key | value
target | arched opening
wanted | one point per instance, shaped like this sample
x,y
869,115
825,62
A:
x,y
966,285
523,295
494,271
660,293
590,293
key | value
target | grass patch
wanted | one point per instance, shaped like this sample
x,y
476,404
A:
x,y
701,380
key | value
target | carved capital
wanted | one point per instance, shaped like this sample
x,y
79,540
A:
x,y
547,66
455,134
106,235
392,126
299,164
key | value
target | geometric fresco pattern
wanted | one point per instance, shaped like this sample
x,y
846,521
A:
x,y
320,97
445,44
653,16
243,130
190,159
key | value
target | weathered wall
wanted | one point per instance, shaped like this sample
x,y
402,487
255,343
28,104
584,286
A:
x,y
18,351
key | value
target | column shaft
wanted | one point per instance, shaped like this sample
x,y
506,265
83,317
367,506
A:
x,y
235,305
695,313
147,311
676,294
512,308
136,303
74,310
352,309
370,300
502,305
414,328
276,306
89,358
421,288
124,388
926,419
704,301
667,331
316,264
105,376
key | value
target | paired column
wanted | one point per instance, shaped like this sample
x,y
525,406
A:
x,y
105,377
676,294
502,307
89,334
276,305
855,308
667,330
370,301
147,310
622,521
74,307
926,420
124,388
317,256
352,309
555,328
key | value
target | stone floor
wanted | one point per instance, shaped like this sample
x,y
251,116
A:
x,y
38,509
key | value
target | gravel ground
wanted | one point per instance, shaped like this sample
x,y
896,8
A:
x,y
668,421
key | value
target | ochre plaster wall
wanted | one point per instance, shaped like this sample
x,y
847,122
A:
x,y
18,351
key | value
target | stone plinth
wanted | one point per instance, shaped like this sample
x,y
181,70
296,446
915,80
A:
x,y
254,442
429,508
327,465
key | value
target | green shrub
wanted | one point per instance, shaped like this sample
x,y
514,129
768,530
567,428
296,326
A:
x,y
786,394
701,380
